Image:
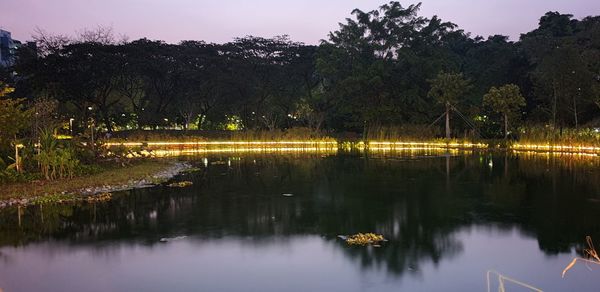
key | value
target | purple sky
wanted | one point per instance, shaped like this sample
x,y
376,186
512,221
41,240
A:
x,y
221,20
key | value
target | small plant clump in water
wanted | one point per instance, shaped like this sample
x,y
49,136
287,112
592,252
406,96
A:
x,y
181,184
365,239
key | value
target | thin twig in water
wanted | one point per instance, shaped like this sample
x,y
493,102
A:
x,y
502,279
590,252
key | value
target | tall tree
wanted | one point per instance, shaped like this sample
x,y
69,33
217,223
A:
x,y
378,64
564,55
505,100
447,89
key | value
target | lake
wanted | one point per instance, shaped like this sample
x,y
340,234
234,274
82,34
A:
x,y
449,218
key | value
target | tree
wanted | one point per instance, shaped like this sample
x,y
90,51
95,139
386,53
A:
x,y
265,79
131,83
14,118
564,57
375,67
13,115
447,89
494,62
380,68
505,100
93,70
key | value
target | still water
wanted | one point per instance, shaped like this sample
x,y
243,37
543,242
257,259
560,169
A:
x,y
449,218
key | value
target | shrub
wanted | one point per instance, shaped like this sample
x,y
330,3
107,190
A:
x,y
55,159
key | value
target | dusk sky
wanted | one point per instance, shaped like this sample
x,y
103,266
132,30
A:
x,y
220,21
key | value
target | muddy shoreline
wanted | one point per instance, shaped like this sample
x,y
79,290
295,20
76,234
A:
x,y
88,193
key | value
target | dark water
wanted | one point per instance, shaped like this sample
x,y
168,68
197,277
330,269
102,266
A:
x,y
448,218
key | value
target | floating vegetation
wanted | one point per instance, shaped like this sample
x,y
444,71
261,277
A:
x,y
191,169
590,253
181,184
364,239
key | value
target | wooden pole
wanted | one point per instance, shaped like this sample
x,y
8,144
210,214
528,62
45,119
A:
x,y
447,120
19,215
17,162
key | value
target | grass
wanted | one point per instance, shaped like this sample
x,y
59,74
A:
x,y
159,135
405,132
112,176
565,136
292,134
298,133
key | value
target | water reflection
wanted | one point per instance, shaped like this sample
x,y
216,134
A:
x,y
423,202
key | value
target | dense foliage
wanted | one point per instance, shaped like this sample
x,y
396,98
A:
x,y
14,117
380,68
29,147
506,101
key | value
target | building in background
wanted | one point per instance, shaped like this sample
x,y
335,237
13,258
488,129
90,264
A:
x,y
8,46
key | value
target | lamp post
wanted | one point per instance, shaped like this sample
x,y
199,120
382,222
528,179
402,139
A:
x,y
92,127
71,126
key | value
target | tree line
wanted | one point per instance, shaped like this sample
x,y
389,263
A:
x,y
389,66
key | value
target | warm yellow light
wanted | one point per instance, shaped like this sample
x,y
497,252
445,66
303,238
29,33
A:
x,y
555,153
197,151
174,148
555,148
409,148
232,146
424,145
62,137
223,143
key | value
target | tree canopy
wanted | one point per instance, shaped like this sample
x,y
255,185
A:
x,y
505,100
380,67
14,117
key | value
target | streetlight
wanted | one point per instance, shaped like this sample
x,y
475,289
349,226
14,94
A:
x,y
71,126
92,128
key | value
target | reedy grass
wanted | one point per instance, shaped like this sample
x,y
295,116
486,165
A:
x,y
565,136
292,134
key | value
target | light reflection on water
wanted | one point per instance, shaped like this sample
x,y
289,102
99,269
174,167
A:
x,y
449,217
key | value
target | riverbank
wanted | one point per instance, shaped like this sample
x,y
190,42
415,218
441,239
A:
x,y
148,171
536,139
176,147
142,173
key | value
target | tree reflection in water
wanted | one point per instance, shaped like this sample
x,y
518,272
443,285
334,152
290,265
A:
x,y
418,200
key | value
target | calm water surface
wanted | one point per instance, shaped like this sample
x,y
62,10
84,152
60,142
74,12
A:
x,y
449,219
